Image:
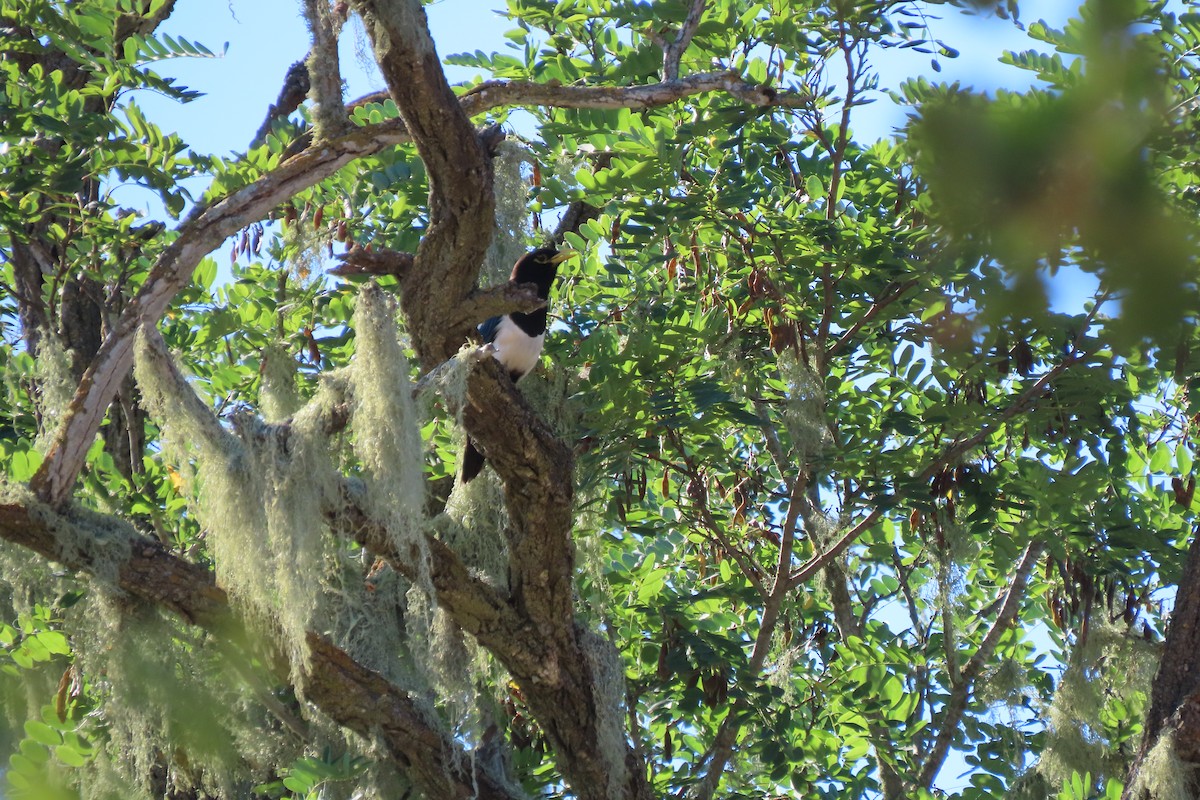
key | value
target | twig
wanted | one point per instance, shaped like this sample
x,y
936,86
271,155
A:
x,y
960,693
673,51
875,310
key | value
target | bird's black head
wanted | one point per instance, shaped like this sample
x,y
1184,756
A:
x,y
540,266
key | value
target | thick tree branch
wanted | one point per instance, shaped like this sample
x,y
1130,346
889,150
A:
x,y
347,692
536,470
960,694
461,203
479,609
1175,694
893,294
821,560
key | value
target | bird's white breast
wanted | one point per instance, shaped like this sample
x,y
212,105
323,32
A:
x,y
515,349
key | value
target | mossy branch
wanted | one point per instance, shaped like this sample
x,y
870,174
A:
x,y
459,169
349,693
1174,710
324,71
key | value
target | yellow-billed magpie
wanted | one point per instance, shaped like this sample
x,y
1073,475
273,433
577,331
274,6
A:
x,y
516,339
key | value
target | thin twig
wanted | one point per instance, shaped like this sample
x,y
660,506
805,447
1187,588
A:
x,y
960,694
673,51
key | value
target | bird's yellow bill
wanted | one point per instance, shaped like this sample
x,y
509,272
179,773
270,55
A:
x,y
563,255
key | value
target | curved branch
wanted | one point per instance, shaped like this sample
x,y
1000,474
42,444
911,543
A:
x,y
461,202
201,233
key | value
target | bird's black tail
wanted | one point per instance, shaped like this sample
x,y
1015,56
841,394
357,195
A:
x,y
472,462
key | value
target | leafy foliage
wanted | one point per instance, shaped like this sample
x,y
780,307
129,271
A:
x,y
851,496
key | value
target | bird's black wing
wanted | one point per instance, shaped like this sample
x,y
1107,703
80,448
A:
x,y
488,329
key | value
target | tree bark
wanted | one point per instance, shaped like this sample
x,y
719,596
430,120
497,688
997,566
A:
x,y
1175,694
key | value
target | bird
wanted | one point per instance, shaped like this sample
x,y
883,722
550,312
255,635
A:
x,y
516,339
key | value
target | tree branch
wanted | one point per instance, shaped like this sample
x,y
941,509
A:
x,y
822,559
721,749
324,71
291,95
960,693
673,52
461,202
506,298
536,470
350,694
201,233
1175,694
494,94
875,310
380,261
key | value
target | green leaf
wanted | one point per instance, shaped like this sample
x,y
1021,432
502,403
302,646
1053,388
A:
x,y
69,756
42,733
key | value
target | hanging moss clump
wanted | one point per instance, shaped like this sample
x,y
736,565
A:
x,y
277,395
1163,775
1113,665
55,387
511,234
260,499
173,709
387,428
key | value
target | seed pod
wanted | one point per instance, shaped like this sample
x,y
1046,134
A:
x,y
1023,355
